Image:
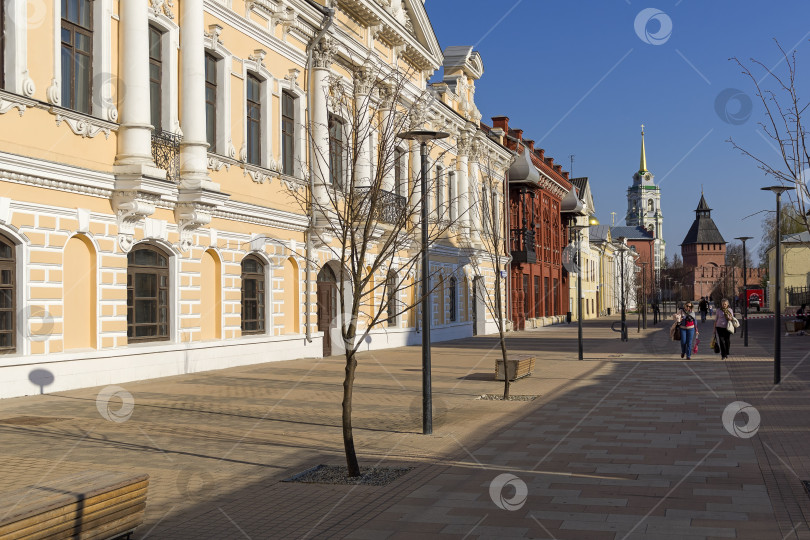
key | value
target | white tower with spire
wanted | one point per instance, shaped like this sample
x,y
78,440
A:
x,y
644,206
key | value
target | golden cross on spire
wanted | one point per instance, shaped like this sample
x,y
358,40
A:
x,y
642,129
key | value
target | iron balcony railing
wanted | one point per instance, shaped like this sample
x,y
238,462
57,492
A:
x,y
387,207
796,296
166,153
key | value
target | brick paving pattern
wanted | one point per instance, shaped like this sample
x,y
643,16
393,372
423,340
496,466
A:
x,y
628,443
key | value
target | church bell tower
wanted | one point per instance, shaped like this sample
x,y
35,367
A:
x,y
644,205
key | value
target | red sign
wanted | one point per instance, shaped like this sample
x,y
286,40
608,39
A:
x,y
755,298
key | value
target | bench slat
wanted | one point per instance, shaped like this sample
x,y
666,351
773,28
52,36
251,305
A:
x,y
34,500
67,517
115,523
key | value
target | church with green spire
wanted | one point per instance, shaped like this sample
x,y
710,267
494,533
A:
x,y
644,206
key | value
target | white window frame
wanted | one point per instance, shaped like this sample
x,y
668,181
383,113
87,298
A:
x,y
15,55
169,46
102,105
299,136
224,143
256,68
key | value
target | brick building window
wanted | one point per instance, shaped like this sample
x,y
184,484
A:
x,y
147,294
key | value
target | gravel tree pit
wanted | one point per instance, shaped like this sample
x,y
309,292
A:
x,y
333,474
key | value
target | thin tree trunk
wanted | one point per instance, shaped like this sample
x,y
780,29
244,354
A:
x,y
500,320
348,437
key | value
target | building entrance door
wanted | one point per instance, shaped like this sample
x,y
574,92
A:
x,y
327,306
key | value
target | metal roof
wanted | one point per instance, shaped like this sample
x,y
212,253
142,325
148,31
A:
x,y
631,233
703,229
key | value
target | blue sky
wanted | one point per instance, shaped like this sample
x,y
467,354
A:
x,y
577,78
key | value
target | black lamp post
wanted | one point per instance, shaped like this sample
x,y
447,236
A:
x,y
745,289
622,251
643,296
422,137
777,315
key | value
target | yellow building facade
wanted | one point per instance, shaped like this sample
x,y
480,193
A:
x,y
153,157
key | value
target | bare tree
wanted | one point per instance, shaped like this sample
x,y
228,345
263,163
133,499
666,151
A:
x,y
366,213
791,223
784,125
491,253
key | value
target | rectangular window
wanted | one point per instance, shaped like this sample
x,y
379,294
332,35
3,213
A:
x,y
77,54
254,120
155,77
288,133
451,195
336,152
526,296
211,102
439,193
537,307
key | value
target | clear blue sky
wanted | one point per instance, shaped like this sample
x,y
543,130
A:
x,y
543,63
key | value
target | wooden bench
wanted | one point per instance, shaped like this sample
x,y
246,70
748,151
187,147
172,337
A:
x,y
519,366
92,505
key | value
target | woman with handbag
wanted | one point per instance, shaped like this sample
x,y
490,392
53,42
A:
x,y
724,326
685,319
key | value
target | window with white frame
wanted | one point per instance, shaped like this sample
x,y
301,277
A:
x,y
439,192
253,120
211,92
288,146
77,54
156,77
337,144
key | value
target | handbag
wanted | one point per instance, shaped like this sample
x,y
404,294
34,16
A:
x,y
695,349
714,345
730,327
676,333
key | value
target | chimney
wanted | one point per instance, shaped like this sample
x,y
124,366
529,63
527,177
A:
x,y
541,152
529,144
518,134
565,175
501,122
558,168
550,161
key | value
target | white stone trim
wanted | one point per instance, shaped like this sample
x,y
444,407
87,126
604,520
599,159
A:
x,y
290,84
17,23
255,65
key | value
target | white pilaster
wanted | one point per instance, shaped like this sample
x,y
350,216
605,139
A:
x,y
135,131
321,63
194,148
463,188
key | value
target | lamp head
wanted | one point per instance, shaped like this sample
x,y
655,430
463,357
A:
x,y
592,221
422,135
777,189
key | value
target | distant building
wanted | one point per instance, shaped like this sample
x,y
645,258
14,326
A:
x,y
642,243
705,272
644,209
795,269
538,284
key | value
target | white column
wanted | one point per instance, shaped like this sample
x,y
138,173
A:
x,y
463,189
193,149
475,202
416,189
363,83
135,131
319,118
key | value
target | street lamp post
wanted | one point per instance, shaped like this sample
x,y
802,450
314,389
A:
x,y
622,250
578,230
643,296
745,289
777,315
422,137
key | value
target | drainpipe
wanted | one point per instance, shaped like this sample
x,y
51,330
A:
x,y
328,19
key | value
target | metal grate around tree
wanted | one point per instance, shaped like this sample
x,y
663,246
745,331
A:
x,y
166,153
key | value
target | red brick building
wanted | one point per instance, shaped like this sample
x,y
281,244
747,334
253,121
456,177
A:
x,y
641,241
538,281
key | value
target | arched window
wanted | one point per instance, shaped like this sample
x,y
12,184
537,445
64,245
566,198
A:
x,y
391,300
650,205
8,295
453,299
147,294
252,295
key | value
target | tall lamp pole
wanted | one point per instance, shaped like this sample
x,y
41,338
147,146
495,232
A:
x,y
422,137
777,319
745,289
643,296
622,250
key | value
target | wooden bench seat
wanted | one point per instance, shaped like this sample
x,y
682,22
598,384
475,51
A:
x,y
92,505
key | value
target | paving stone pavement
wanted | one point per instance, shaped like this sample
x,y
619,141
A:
x,y
629,443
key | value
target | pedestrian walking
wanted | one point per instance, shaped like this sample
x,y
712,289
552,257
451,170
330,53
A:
x,y
721,320
703,307
685,318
